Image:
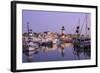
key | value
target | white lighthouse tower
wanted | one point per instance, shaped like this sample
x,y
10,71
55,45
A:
x,y
62,30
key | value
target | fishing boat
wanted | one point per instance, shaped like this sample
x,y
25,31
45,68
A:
x,y
29,46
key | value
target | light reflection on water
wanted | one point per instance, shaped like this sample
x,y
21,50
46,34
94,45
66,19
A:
x,y
60,52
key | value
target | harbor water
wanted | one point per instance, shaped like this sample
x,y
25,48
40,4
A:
x,y
62,52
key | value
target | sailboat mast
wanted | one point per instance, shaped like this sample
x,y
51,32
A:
x,y
86,28
79,26
28,27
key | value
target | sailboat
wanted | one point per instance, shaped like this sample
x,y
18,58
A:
x,y
80,40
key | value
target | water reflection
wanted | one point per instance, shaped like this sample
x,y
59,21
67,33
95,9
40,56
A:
x,y
57,52
85,50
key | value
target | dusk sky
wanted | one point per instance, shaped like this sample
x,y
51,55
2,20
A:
x,y
41,21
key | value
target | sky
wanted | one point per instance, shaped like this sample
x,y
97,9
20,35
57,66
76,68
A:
x,y
41,21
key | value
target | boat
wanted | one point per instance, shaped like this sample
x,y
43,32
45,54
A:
x,y
81,41
29,46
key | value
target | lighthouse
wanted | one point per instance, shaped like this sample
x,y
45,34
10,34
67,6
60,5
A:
x,y
62,30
